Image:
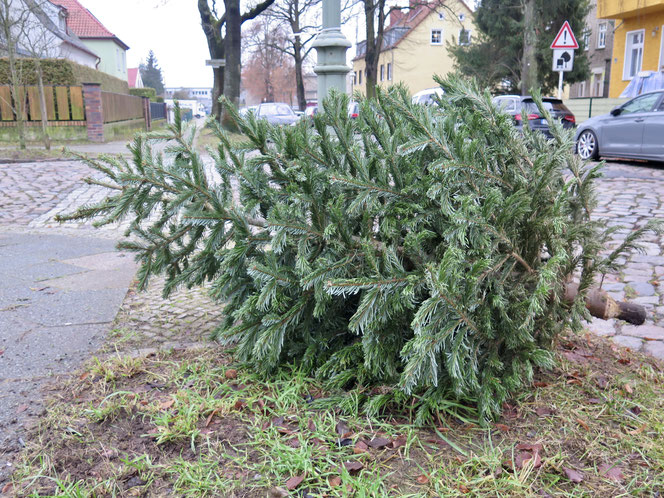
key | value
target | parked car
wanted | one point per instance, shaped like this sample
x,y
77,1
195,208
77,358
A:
x,y
514,104
428,96
633,130
277,113
246,110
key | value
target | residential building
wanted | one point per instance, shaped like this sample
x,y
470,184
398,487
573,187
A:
x,y
598,44
415,45
46,35
638,43
200,94
111,50
134,78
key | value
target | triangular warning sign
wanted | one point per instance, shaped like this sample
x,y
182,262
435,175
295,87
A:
x,y
565,38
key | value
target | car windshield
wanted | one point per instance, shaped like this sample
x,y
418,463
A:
x,y
553,106
275,110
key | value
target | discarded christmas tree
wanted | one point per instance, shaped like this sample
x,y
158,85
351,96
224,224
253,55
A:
x,y
424,249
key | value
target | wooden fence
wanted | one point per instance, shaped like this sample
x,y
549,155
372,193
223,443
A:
x,y
120,107
63,103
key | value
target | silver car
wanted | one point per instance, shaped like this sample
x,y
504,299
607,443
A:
x,y
634,130
277,113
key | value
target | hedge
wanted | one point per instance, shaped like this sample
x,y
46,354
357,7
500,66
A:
x,y
62,72
151,93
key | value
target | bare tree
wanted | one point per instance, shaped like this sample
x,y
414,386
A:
x,y
223,32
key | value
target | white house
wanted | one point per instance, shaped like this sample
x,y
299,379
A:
x,y
40,30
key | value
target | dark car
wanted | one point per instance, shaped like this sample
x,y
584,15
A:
x,y
633,130
515,104
277,113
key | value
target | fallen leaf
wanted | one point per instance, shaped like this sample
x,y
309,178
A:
x,y
240,404
353,466
422,479
399,441
573,475
210,417
464,489
524,458
294,482
502,427
311,425
624,361
166,404
638,431
611,471
360,447
628,389
21,408
334,481
341,428
379,442
277,492
583,424
602,382
595,401
575,357
543,411
231,374
7,488
636,410
346,441
541,384
83,376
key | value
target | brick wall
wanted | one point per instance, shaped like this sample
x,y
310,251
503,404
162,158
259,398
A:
x,y
93,111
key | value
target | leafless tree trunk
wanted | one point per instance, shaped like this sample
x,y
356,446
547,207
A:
x,y
42,106
529,61
11,20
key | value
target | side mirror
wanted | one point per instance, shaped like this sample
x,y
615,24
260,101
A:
x,y
616,111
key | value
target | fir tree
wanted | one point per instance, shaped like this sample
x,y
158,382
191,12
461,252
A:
x,y
495,58
402,249
151,74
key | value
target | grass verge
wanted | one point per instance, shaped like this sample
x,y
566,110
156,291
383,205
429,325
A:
x,y
191,423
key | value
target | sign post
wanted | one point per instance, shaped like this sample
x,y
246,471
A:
x,y
563,53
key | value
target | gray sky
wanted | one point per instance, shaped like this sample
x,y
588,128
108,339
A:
x,y
172,28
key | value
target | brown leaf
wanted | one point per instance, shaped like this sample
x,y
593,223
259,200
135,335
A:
x,y
543,411
636,410
379,442
575,357
334,481
22,408
342,428
541,384
602,382
83,376
231,374
526,457
166,404
583,424
573,475
311,425
360,447
530,446
354,466
7,488
464,489
628,389
638,431
210,417
240,404
399,441
294,442
624,361
595,401
294,482
502,427
277,492
611,472
422,479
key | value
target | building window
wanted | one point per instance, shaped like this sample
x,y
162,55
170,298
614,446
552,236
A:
x,y
582,89
633,54
586,40
462,17
436,36
359,73
355,78
464,37
389,71
382,72
601,35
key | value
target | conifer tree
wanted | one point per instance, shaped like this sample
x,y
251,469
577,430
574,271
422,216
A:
x,y
151,74
402,249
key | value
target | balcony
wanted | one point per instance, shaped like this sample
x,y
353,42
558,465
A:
x,y
622,9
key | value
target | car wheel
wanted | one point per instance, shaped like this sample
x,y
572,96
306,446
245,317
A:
x,y
586,146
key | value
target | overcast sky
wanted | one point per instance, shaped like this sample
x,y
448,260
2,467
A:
x,y
172,28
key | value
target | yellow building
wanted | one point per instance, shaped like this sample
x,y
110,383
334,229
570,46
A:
x,y
415,46
638,43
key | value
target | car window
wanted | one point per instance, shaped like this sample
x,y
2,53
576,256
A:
x,y
661,104
507,105
644,103
275,110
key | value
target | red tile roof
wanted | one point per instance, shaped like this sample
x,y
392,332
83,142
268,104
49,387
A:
x,y
83,23
132,72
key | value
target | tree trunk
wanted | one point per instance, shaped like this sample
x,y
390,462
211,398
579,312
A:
x,y
18,100
233,49
217,90
299,80
42,106
529,61
370,55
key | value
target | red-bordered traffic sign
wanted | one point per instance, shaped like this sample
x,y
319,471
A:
x,y
565,38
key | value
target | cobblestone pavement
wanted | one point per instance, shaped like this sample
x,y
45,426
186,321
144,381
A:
x,y
630,195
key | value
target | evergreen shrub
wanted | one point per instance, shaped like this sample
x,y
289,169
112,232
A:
x,y
420,250
150,93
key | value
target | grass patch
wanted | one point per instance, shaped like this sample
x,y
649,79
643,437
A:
x,y
190,423
206,138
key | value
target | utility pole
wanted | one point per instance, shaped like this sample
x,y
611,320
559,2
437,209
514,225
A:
x,y
529,61
331,46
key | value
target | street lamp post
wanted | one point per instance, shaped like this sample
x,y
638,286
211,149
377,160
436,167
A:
x,y
331,46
